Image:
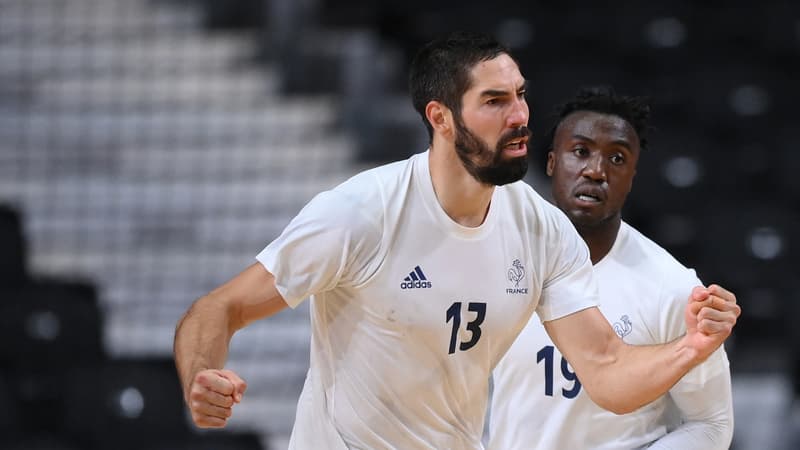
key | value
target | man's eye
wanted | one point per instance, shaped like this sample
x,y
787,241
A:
x,y
580,151
617,159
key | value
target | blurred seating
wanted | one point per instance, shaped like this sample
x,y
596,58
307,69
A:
x,y
41,442
213,441
12,240
786,159
47,327
9,413
781,38
137,404
50,323
751,248
61,391
124,404
671,185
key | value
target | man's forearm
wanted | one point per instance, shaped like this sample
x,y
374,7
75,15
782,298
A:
x,y
620,377
638,375
202,337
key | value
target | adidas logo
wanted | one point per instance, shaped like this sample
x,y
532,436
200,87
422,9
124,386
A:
x,y
415,280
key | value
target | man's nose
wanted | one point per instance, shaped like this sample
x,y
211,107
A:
x,y
519,114
595,168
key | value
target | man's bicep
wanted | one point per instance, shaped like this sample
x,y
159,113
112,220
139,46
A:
x,y
585,338
251,295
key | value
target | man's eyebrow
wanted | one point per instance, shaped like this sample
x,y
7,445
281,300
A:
x,y
502,92
620,142
623,143
494,93
583,138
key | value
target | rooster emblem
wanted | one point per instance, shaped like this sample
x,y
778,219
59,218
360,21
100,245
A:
x,y
516,272
623,329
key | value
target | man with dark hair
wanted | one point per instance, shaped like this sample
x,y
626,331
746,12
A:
x,y
538,401
422,272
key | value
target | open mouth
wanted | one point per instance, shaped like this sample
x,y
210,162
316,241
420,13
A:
x,y
590,194
516,147
588,198
516,144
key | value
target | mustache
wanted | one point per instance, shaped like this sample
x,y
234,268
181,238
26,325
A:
x,y
521,132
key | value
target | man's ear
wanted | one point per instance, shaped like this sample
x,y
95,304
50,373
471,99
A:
x,y
440,117
551,162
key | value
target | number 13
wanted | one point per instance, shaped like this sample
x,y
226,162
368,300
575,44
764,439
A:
x,y
474,326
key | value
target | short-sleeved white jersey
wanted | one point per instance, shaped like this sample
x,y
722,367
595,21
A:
x,y
537,401
411,311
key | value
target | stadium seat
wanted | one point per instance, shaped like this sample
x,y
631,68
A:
x,y
41,442
752,250
780,37
727,94
125,404
787,160
751,244
50,323
12,241
38,393
9,413
137,404
46,328
216,440
672,171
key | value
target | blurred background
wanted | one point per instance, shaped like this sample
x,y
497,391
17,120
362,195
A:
x,y
150,148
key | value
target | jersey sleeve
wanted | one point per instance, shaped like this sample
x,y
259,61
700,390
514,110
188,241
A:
x,y
706,416
327,244
569,284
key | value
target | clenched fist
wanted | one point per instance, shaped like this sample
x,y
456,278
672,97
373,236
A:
x,y
710,316
212,395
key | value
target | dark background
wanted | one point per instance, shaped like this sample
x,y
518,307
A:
x,y
150,148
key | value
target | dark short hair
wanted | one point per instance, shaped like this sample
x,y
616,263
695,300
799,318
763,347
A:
x,y
441,69
604,100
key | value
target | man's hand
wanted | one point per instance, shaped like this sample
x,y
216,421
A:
x,y
710,317
212,396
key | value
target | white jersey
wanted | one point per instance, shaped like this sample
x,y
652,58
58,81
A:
x,y
539,403
411,311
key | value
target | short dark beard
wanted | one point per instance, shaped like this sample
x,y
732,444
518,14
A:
x,y
489,167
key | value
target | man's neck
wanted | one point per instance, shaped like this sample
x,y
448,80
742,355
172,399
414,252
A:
x,y
600,239
461,196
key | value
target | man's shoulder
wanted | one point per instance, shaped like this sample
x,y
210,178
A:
x,y
368,195
657,264
522,188
539,215
523,195
655,253
378,178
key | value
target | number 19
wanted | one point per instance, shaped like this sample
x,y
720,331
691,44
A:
x,y
546,354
